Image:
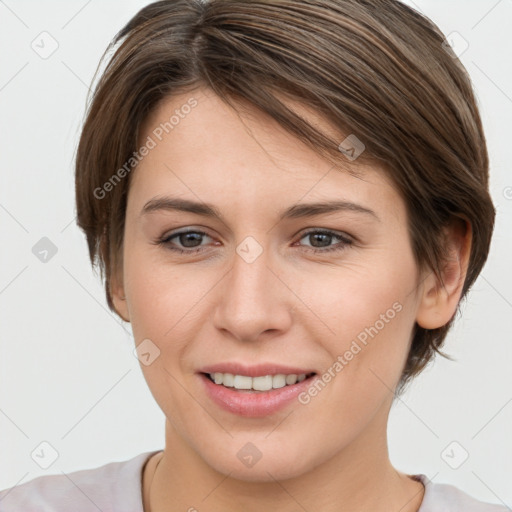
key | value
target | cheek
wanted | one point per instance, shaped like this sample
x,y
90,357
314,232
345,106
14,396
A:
x,y
164,309
360,295
161,296
368,314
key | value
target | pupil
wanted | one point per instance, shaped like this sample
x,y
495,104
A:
x,y
317,237
189,237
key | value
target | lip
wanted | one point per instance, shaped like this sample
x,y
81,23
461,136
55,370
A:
x,y
253,404
258,370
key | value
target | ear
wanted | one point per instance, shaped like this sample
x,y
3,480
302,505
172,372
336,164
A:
x,y
117,294
438,301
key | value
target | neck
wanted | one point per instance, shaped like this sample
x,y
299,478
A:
x,y
359,477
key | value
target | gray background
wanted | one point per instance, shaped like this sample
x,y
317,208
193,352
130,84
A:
x,y
68,374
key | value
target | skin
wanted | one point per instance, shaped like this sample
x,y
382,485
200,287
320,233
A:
x,y
290,306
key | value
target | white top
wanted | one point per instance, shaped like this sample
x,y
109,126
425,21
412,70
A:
x,y
117,487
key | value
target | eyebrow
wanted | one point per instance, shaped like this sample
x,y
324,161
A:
x,y
296,211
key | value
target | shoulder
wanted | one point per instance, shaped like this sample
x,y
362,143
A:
x,y
113,486
447,498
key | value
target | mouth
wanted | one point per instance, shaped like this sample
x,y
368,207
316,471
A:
x,y
260,384
254,396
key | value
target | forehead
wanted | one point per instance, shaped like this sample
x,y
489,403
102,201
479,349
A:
x,y
202,146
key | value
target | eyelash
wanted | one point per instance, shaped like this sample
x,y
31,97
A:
x,y
345,241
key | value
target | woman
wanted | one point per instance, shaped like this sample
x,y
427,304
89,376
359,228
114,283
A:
x,y
288,201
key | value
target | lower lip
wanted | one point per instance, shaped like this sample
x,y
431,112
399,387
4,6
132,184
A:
x,y
257,404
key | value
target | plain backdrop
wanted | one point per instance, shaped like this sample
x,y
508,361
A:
x,y
68,374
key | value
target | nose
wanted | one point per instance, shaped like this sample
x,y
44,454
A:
x,y
253,301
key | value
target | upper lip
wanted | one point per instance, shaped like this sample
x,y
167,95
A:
x,y
257,370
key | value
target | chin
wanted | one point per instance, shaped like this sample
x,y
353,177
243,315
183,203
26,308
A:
x,y
262,472
270,463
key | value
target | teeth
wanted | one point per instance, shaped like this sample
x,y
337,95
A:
x,y
264,383
228,379
279,381
291,379
242,382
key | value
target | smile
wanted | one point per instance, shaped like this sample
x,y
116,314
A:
x,y
257,396
263,383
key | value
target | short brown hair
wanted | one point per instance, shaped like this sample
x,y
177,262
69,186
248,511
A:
x,y
376,69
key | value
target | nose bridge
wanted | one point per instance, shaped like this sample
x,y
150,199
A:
x,y
253,300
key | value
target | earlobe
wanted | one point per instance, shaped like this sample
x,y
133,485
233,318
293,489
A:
x,y
439,300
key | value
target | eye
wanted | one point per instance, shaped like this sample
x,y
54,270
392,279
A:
x,y
321,240
191,240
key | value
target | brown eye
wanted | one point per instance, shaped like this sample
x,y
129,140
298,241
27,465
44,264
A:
x,y
321,241
189,240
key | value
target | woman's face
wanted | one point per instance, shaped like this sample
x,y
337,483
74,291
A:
x,y
274,286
